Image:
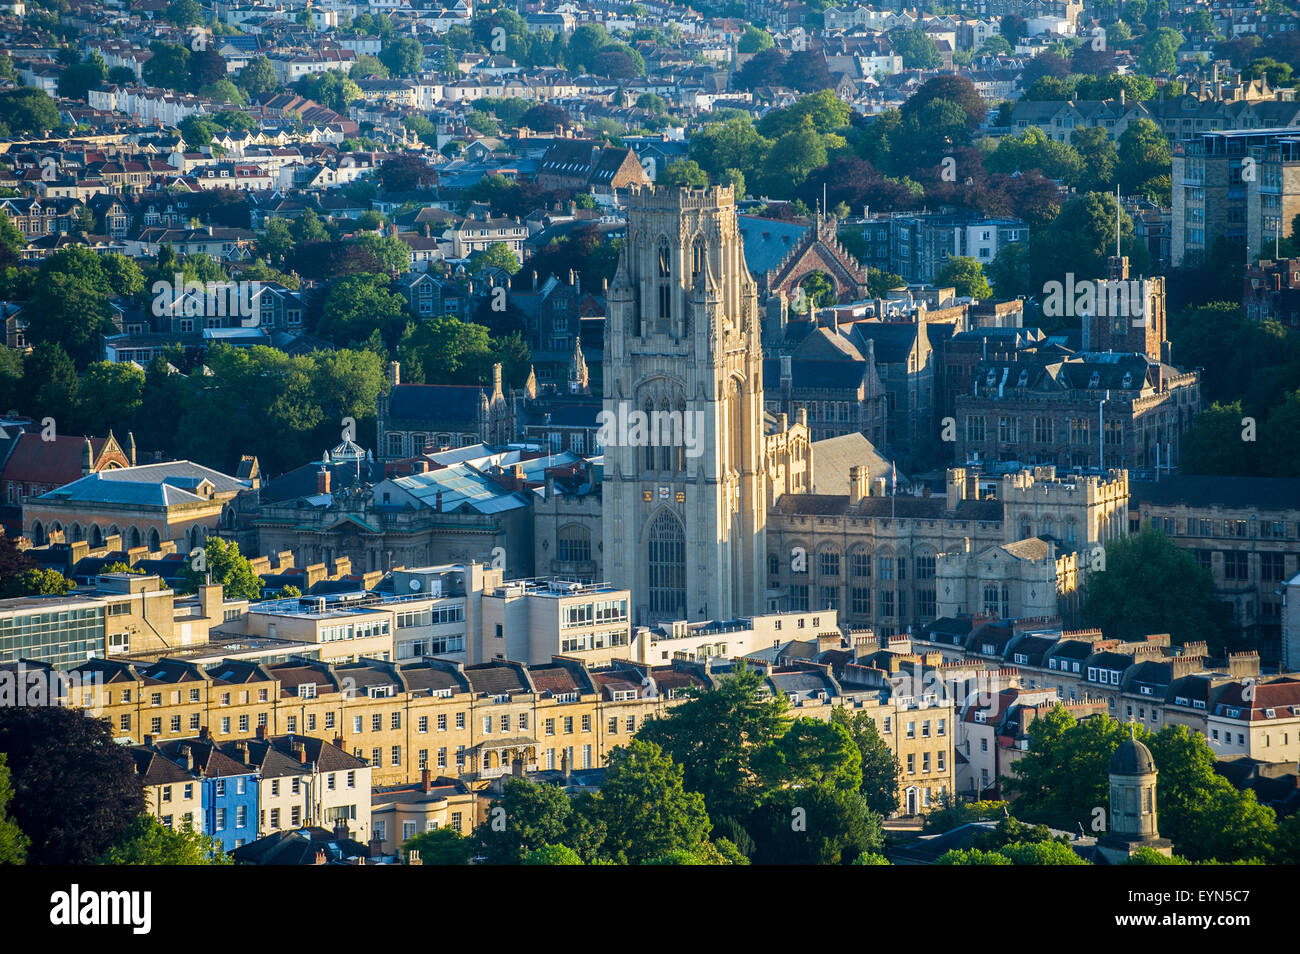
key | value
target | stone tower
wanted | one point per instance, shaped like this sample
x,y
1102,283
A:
x,y
1132,803
683,498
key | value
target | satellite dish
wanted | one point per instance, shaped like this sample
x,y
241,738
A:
x,y
415,585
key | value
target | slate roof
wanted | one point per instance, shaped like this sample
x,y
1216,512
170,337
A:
x,y
166,484
434,402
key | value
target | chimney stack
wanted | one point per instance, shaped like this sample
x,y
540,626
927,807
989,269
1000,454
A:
x,y
426,780
859,477
323,480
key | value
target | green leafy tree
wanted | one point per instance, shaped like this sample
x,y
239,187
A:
x,y
28,111
43,583
917,48
972,856
754,40
110,393
257,78
1213,446
50,380
1041,853
1061,748
358,305
1032,149
529,816
13,843
446,350
75,82
1146,855
75,790
1100,160
1144,156
879,764
552,855
228,567
10,237
812,752
714,736
966,275
496,255
685,173
1151,585
168,67
645,807
148,842
1160,52
814,825
442,846
403,55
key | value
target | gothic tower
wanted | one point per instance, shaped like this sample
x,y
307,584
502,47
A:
x,y
683,512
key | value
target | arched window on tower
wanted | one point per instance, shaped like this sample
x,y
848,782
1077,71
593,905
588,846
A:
x,y
665,259
679,452
666,567
735,430
697,258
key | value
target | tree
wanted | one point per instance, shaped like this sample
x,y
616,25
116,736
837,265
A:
x,y
38,582
496,255
403,173
814,825
544,117
228,567
358,305
1144,156
1160,52
965,274
75,790
754,40
257,78
148,842
1060,748
110,393
332,88
10,237
168,67
28,111
207,66
812,752
954,89
763,69
645,807
552,855
1041,853
1151,585
1100,160
442,846
403,55
917,48
529,816
714,736
972,856
879,765
184,13
75,82
446,350
13,843
1032,149
684,173
1213,446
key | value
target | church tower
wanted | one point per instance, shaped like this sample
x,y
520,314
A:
x,y
683,499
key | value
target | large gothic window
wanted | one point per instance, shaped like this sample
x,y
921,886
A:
x,y
665,260
667,566
697,258
735,436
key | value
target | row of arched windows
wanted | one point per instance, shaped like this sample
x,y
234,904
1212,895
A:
x,y
41,533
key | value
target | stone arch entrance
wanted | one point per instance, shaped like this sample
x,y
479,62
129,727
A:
x,y
819,251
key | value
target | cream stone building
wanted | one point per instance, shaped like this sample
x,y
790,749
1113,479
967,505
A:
x,y
684,508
